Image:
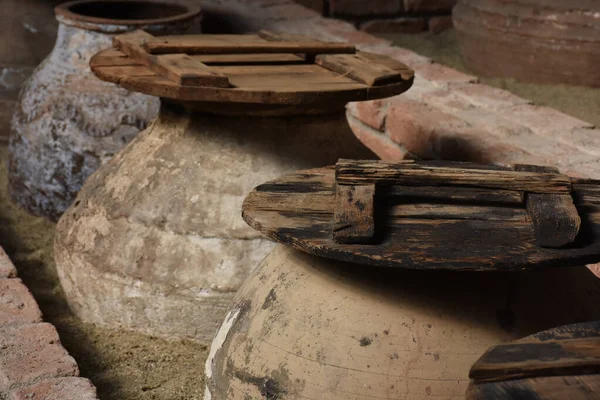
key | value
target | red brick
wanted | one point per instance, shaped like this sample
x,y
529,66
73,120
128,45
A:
x,y
412,124
378,142
488,97
395,25
502,127
441,75
371,113
430,133
7,268
359,8
316,5
17,305
408,57
32,352
57,389
548,122
429,5
439,23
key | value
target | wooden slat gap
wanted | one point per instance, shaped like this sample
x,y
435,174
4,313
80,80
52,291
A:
x,y
178,67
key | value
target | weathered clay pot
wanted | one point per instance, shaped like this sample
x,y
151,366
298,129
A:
x,y
68,122
303,327
548,41
155,241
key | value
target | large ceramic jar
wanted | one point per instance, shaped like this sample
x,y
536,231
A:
x,y
68,122
548,41
304,327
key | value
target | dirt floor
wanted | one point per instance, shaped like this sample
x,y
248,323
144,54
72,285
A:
x,y
129,366
123,365
578,101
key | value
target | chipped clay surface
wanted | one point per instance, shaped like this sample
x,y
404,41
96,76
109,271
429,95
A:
x,y
155,241
303,327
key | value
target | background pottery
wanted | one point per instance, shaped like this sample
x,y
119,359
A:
x,y
68,122
546,41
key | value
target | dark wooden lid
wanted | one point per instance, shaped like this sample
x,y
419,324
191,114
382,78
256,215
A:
x,y
265,69
560,363
433,215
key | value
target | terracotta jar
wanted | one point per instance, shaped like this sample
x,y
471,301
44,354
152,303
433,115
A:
x,y
67,122
307,327
155,241
434,264
547,41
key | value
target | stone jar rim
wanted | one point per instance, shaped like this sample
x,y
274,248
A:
x,y
117,16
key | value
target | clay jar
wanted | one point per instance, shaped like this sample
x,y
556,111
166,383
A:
x,y
304,327
68,122
155,241
545,41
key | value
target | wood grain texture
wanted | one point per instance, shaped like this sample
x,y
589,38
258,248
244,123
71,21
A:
x,y
420,232
353,221
368,68
327,89
456,194
521,360
179,68
200,45
554,216
559,363
570,387
356,172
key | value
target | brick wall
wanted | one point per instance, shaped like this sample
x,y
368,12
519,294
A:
x,y
388,16
33,363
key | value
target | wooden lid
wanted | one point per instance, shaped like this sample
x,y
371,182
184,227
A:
x,y
266,69
562,362
433,215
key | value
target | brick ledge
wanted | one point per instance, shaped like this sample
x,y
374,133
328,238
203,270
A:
x,y
33,363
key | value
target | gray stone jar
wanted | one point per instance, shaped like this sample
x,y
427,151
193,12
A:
x,y
67,122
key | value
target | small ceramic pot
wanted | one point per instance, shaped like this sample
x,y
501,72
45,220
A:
x,y
68,122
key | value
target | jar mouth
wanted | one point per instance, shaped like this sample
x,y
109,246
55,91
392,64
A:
x,y
123,14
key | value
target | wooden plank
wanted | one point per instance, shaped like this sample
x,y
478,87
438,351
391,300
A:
x,y
366,68
249,59
521,360
179,68
199,45
285,37
456,194
455,212
354,218
415,241
357,172
554,217
571,387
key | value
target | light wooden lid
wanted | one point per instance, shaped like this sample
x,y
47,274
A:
x,y
263,69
